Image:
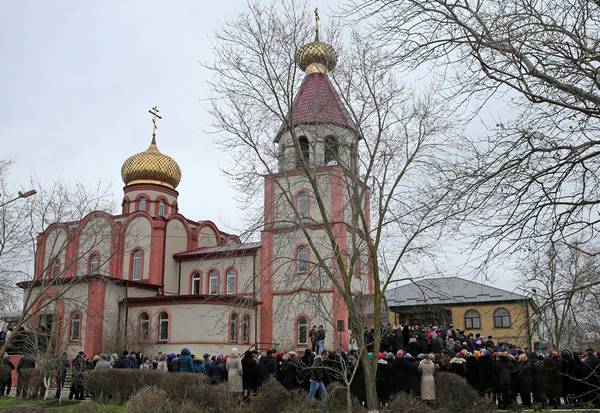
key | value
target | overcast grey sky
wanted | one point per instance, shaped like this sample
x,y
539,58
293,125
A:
x,y
78,77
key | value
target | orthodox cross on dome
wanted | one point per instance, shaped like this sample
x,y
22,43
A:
x,y
154,112
317,24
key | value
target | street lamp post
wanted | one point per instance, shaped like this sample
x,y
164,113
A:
x,y
21,194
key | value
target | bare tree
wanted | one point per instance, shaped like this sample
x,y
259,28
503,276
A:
x,y
393,171
46,281
534,177
565,282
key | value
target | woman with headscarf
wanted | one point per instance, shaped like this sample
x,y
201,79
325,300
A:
x,y
525,367
414,375
427,369
249,373
185,362
234,372
539,377
503,385
552,380
400,380
383,382
473,370
487,375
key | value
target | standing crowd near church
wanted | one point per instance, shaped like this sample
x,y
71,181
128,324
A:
x,y
409,360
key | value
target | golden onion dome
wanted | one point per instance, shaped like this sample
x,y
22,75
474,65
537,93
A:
x,y
151,167
316,56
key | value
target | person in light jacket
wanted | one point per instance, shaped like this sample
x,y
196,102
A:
x,y
234,372
427,369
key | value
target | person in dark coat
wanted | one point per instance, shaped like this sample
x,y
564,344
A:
x,y
266,367
591,372
369,339
487,375
383,380
473,372
552,380
6,369
568,371
78,367
539,378
26,362
525,367
185,362
503,384
61,368
249,373
288,371
405,337
357,387
400,373
414,375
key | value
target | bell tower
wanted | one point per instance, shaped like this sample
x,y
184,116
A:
x,y
319,138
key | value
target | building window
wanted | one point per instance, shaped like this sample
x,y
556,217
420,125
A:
x,y
302,258
161,208
233,333
144,325
142,204
302,326
196,283
213,282
56,268
230,275
94,264
246,329
304,151
501,318
331,150
136,269
472,320
303,204
74,327
163,326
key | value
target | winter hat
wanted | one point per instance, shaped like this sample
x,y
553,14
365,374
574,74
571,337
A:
x,y
369,356
420,356
234,350
6,357
408,356
400,353
522,357
380,356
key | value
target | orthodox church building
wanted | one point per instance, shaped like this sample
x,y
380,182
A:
x,y
151,279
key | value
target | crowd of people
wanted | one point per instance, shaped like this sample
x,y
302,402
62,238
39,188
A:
x,y
409,359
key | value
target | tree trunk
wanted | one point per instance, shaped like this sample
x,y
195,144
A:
x,y
348,399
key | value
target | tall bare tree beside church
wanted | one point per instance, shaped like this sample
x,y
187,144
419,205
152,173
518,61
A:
x,y
395,192
21,223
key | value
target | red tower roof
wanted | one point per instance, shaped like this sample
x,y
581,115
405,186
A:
x,y
317,103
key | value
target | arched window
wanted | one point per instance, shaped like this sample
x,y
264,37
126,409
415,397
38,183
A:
x,y
472,320
233,332
331,150
94,264
161,208
302,326
302,204
163,326
144,325
56,268
501,318
74,327
230,281
136,267
246,329
141,204
213,282
304,151
196,283
302,258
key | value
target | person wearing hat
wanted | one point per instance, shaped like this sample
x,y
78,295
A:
x,y
234,372
6,369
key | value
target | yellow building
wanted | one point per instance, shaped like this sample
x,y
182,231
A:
x,y
466,305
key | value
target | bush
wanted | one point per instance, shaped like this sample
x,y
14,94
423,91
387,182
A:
x,y
118,385
406,403
454,394
337,399
271,397
150,399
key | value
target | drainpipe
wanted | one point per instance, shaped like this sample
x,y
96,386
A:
x,y
179,277
254,298
126,319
